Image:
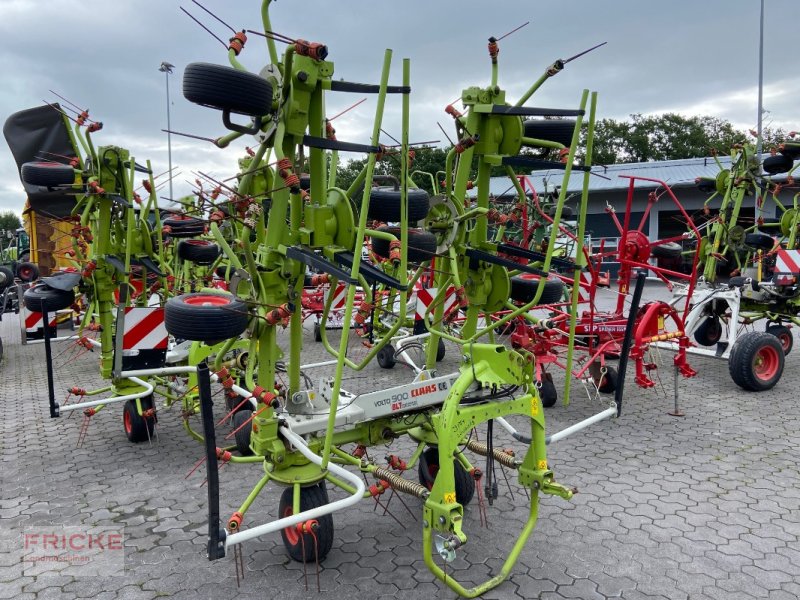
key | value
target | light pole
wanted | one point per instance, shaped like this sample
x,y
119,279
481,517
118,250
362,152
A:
x,y
759,141
166,68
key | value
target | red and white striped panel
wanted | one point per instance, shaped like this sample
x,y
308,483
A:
x,y
34,321
585,286
339,296
425,297
788,261
144,329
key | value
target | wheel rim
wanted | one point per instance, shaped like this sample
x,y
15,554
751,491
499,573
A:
x,y
198,242
766,363
127,422
25,272
207,300
290,532
432,469
786,341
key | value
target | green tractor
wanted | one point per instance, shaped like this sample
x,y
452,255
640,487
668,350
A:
x,y
14,265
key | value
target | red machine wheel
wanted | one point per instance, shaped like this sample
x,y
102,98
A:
x,y
608,382
301,547
756,361
205,316
27,272
138,428
784,335
709,331
429,467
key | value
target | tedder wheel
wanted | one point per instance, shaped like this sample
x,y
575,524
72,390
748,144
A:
x,y
47,174
184,226
608,382
523,288
756,361
317,332
759,240
226,88
780,163
429,467
243,431
384,204
666,250
553,130
784,335
302,549
201,252
386,358
548,392
566,211
205,316
138,428
6,278
54,299
440,351
709,331
421,244
27,272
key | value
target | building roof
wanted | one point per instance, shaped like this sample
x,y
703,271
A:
x,y
676,173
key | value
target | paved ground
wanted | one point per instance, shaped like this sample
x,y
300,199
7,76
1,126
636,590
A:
x,y
702,507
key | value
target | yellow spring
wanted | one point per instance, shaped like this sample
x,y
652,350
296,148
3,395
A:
x,y
401,485
505,459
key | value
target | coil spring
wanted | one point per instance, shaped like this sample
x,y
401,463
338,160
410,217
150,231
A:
x,y
400,484
505,459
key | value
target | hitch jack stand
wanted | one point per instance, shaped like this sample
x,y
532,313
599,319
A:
x,y
676,412
216,534
48,356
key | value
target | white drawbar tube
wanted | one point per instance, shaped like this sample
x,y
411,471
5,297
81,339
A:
x,y
114,399
320,511
568,431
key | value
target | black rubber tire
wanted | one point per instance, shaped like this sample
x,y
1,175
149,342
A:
x,y
205,316
47,174
790,148
317,332
53,298
784,335
566,211
709,331
737,281
305,181
27,272
548,392
429,466
421,244
441,350
553,130
226,88
386,358
780,163
302,549
706,185
184,226
759,241
667,250
242,436
744,365
384,204
523,289
201,252
608,383
6,278
138,428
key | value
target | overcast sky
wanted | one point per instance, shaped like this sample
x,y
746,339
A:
x,y
688,56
